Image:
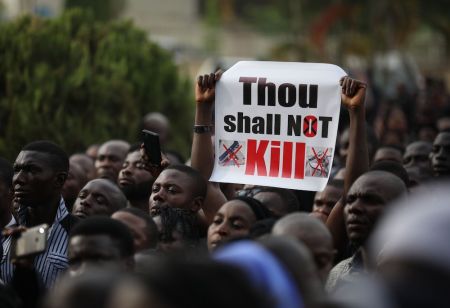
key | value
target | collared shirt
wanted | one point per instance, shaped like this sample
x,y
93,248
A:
x,y
346,270
51,262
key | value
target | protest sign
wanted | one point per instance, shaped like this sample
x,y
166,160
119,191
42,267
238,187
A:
x,y
276,124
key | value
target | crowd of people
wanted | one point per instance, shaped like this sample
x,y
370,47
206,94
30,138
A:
x,y
123,233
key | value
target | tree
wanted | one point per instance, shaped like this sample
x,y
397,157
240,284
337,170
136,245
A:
x,y
103,10
78,81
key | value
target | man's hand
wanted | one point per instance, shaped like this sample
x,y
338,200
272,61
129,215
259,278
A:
x,y
24,261
353,92
205,88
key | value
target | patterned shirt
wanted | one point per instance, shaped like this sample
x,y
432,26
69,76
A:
x,y
345,271
51,262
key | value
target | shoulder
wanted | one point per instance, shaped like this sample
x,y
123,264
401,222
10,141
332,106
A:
x,y
337,273
69,222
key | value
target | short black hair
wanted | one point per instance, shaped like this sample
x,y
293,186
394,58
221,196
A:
x,y
59,161
151,230
109,227
260,211
6,172
287,196
197,178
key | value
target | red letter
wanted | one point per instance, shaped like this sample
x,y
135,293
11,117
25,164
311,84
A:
x,y
274,159
287,160
255,156
299,160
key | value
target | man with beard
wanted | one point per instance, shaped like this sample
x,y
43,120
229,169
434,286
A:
x,y
135,180
178,186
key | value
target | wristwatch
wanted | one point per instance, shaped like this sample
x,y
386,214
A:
x,y
201,129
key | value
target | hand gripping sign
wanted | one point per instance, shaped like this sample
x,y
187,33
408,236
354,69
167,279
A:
x,y
276,124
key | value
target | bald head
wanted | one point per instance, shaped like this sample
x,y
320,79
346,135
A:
x,y
389,154
417,155
110,158
313,233
99,197
158,123
86,163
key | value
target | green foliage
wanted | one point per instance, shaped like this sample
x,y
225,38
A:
x,y
77,81
102,10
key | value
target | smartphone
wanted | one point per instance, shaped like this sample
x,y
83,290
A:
x,y
152,147
30,242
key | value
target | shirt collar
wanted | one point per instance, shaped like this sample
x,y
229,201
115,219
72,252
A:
x,y
12,222
61,213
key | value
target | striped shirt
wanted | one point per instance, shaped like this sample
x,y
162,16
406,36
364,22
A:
x,y
6,268
51,262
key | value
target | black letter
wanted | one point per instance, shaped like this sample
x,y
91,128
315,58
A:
x,y
247,88
290,101
229,120
295,125
262,85
325,121
243,127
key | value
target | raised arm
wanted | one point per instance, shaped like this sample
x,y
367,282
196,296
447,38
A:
x,y
353,95
202,152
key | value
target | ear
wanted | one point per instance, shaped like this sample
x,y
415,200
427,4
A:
x,y
196,204
60,178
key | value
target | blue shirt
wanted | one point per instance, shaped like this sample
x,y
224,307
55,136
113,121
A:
x,y
52,262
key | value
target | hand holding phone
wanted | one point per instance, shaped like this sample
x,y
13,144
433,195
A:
x,y
30,242
152,147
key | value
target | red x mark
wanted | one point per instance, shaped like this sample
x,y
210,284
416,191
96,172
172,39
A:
x,y
232,155
319,162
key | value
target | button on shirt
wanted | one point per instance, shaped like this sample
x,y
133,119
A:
x,y
50,263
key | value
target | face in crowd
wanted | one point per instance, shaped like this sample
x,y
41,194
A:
x,y
367,200
98,198
36,180
134,179
110,159
175,188
417,155
232,220
440,155
325,200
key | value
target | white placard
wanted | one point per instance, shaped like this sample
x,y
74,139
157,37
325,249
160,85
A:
x,y
276,124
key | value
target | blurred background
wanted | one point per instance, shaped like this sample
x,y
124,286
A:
x,y
129,57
